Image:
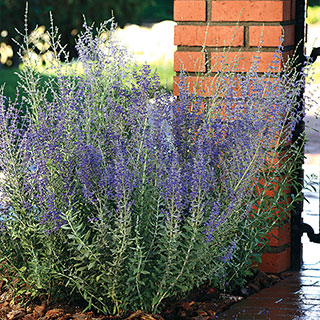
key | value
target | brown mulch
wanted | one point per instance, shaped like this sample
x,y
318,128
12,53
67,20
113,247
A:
x,y
203,303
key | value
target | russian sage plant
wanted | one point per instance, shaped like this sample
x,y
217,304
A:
x,y
124,194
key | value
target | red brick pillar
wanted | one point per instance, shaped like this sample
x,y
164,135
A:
x,y
239,24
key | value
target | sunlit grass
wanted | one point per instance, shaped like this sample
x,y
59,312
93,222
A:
x,y
313,19
315,72
9,77
165,72
313,15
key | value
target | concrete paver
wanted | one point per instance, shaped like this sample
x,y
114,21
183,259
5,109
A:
x,y
296,297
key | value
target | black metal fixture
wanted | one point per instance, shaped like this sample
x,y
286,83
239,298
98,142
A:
x,y
296,218
314,54
310,233
306,228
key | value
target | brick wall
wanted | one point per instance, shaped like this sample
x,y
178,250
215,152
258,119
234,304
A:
x,y
239,24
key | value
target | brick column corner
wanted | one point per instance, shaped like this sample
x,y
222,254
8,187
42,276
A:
x,y
240,24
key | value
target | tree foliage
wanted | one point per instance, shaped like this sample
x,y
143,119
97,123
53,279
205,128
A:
x,y
69,15
313,3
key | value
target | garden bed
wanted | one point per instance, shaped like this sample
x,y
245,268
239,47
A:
x,y
128,204
203,303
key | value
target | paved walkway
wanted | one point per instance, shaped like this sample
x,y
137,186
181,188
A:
x,y
295,298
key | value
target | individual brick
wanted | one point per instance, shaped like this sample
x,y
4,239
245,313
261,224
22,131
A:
x,y
189,61
220,36
293,9
242,61
203,86
275,262
247,10
270,35
207,86
272,187
189,10
282,236
275,160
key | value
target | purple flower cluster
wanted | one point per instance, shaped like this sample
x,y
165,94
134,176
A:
x,y
109,131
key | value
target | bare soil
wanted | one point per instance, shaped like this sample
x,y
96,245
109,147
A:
x,y
203,303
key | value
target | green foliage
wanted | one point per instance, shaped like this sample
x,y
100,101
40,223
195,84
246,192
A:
x,y
159,10
9,78
313,16
132,258
313,3
68,15
165,73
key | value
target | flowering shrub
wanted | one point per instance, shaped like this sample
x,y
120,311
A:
x,y
126,195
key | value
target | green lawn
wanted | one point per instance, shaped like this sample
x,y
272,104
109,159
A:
x,y
10,79
315,72
313,15
166,73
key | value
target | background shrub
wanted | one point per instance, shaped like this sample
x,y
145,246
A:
x,y
70,17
